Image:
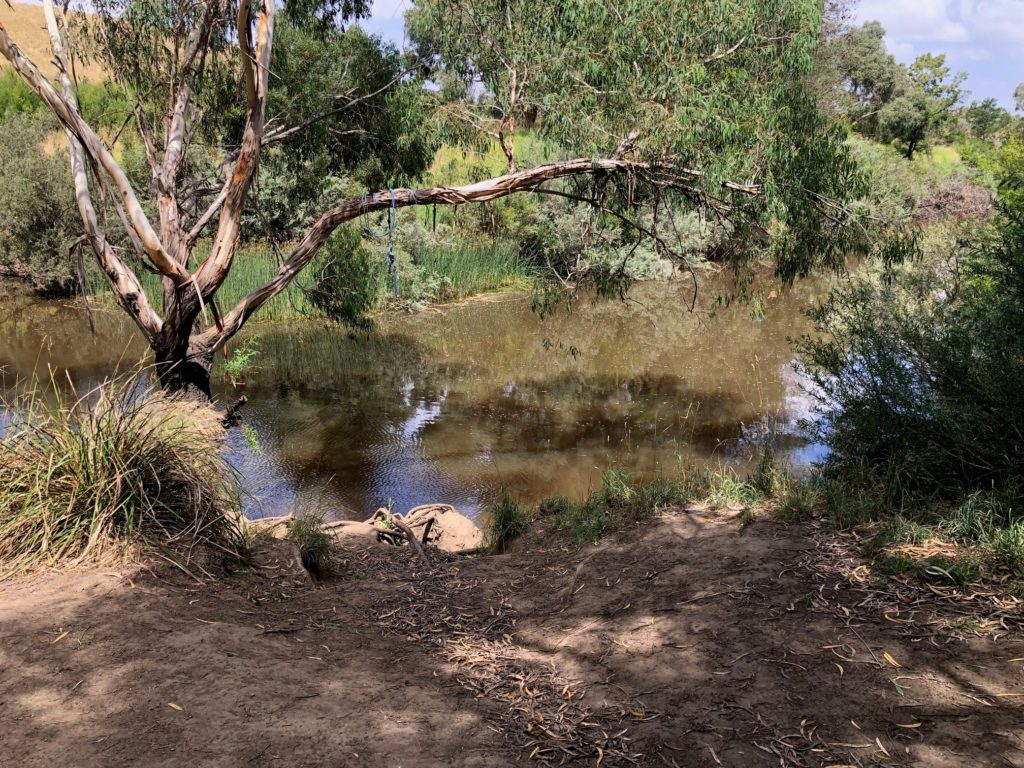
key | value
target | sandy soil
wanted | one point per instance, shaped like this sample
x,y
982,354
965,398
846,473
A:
x,y
687,641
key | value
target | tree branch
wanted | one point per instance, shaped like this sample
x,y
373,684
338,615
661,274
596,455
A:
x,y
479,192
65,111
125,284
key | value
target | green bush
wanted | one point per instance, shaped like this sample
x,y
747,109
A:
x,y
15,96
39,218
348,283
917,370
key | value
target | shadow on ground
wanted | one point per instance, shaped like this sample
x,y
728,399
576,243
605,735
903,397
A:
x,y
710,643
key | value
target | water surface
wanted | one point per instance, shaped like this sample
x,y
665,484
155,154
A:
x,y
454,403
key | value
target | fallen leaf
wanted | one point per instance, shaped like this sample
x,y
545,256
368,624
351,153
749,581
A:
x,y
178,707
890,659
61,636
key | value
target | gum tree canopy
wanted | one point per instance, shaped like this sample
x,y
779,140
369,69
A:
x,y
664,105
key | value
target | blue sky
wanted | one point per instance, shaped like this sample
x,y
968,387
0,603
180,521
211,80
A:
x,y
984,38
387,21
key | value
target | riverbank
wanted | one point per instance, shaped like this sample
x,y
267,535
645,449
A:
x,y
691,639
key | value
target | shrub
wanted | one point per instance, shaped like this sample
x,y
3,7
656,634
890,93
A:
x,y
39,215
15,96
349,281
917,371
86,478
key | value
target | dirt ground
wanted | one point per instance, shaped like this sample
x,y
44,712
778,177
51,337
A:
x,y
686,641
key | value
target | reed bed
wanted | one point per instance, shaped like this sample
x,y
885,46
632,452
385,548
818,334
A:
x,y
431,272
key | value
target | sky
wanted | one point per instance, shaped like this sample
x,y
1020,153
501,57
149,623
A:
x,y
984,38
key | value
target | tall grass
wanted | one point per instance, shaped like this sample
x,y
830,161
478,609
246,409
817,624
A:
x,y
435,271
83,479
506,520
464,267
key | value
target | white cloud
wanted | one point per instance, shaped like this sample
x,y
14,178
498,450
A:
x,y
390,9
1000,20
916,20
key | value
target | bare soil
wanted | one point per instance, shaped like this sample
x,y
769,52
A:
x,y
685,641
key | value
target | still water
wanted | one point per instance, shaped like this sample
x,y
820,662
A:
x,y
454,403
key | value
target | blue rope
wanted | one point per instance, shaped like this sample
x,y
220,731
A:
x,y
387,232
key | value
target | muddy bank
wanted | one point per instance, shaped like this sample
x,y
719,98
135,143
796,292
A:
x,y
687,641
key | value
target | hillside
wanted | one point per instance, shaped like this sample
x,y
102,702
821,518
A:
x,y
25,24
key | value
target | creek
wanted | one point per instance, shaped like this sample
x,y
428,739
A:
x,y
458,402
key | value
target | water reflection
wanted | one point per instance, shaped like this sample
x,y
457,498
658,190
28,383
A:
x,y
451,404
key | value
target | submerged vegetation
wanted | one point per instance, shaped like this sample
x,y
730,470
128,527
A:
x,y
86,478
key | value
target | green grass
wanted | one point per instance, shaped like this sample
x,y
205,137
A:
x,y
621,499
84,479
315,545
437,271
798,502
455,270
506,520
942,159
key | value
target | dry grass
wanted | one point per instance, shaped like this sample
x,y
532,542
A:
x,y
27,28
91,478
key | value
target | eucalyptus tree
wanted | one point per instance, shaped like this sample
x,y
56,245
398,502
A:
x,y
668,105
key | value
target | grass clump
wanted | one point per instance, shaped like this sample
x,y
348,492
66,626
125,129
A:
x,y
506,521
620,500
315,544
798,501
84,479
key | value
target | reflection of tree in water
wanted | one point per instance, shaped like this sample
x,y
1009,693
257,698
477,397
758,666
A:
x,y
450,404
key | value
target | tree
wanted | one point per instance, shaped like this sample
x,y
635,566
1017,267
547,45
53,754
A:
x,y
38,206
868,72
1018,98
907,118
924,98
987,117
668,104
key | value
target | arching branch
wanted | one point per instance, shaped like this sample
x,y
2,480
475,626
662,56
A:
x,y
479,192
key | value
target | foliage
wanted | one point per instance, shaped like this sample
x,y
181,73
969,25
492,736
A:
x,y
987,118
885,99
36,197
348,283
83,478
919,366
242,358
370,141
690,78
506,521
895,187
15,96
315,544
